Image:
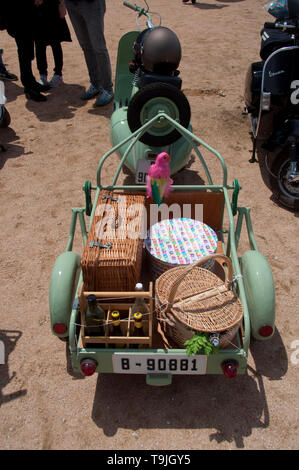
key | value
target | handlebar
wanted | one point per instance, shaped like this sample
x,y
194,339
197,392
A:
x,y
135,7
129,5
270,25
141,11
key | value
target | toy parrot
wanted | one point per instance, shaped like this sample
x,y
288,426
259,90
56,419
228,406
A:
x,y
158,178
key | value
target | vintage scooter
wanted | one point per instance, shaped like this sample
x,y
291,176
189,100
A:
x,y
147,83
272,100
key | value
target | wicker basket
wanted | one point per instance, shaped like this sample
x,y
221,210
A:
x,y
194,298
111,261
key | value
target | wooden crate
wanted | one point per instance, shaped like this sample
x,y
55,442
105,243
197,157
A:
x,y
110,301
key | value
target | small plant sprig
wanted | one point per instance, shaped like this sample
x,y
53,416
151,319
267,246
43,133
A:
x,y
200,343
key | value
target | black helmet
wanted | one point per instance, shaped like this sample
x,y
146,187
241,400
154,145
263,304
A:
x,y
160,50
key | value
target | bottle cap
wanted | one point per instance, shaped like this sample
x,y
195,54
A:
x,y
139,286
115,315
138,316
91,298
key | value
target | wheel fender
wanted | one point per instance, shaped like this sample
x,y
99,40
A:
x,y
259,290
63,282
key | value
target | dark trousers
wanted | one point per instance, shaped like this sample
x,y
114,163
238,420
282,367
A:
x,y
26,55
41,56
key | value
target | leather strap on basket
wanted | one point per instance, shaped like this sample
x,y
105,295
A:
x,y
228,275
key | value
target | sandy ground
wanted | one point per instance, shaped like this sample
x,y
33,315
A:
x,y
52,148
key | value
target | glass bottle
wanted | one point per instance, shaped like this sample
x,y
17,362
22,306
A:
x,y
116,329
140,305
214,339
94,318
138,329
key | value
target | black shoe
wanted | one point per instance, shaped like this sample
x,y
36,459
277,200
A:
x,y
5,75
35,95
41,88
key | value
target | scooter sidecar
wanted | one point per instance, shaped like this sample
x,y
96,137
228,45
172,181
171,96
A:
x,y
160,360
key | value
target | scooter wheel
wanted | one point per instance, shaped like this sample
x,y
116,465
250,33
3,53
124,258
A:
x,y
5,118
150,100
284,191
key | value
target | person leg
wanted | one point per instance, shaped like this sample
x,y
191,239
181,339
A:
x,y
76,15
95,26
41,60
25,56
41,56
58,57
88,23
2,66
32,89
56,80
4,73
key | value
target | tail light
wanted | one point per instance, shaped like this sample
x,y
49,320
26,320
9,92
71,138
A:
x,y
266,331
230,368
88,367
60,328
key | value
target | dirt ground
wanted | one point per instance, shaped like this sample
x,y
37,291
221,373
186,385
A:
x,y
52,148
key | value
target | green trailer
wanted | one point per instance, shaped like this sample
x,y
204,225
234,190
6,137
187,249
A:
x,y
252,278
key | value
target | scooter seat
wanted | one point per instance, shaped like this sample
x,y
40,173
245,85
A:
x,y
272,40
148,78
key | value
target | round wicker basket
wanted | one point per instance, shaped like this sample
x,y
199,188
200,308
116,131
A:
x,y
195,299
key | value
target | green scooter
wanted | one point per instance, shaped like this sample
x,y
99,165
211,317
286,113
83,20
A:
x,y
147,83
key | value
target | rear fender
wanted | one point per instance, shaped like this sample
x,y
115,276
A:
x,y
259,290
63,283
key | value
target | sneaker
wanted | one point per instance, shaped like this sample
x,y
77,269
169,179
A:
x,y
90,93
8,76
43,80
41,88
105,98
55,81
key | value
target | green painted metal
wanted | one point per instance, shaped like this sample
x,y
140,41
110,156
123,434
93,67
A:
x,y
235,197
259,290
104,358
63,284
123,77
76,212
158,380
155,106
186,133
133,149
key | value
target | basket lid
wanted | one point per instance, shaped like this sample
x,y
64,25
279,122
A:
x,y
180,241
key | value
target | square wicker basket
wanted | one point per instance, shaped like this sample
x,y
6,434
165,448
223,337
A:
x,y
112,256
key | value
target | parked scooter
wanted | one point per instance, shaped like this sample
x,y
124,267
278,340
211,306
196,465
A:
x,y
272,100
147,83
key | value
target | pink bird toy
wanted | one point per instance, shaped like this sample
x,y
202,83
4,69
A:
x,y
158,179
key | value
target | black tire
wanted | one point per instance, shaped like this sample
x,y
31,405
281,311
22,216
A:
x,y
142,98
285,193
5,120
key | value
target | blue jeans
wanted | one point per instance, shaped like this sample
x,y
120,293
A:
x,y
88,22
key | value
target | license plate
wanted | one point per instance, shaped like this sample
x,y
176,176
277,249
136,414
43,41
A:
x,y
142,167
159,363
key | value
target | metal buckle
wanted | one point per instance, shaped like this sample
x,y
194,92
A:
x,y
93,243
107,196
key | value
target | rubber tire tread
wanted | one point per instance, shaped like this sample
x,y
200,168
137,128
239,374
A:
x,y
154,90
